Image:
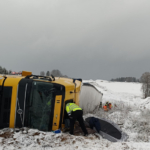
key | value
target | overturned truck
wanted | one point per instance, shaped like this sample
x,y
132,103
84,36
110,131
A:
x,y
36,101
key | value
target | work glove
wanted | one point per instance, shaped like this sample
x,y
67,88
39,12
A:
x,y
69,114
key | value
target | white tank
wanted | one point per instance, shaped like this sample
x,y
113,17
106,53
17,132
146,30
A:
x,y
90,98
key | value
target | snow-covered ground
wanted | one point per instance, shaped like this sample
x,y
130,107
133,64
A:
x,y
130,111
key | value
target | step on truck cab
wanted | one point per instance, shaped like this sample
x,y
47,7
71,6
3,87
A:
x,y
36,101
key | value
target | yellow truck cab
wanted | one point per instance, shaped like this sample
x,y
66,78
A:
x,y
36,101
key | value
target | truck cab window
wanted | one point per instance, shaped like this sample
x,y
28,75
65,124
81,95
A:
x,y
40,105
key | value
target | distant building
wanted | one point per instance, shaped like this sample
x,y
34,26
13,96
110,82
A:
x,y
15,73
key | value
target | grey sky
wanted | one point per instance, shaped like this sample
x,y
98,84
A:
x,y
91,39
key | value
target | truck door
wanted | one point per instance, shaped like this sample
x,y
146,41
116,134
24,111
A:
x,y
24,89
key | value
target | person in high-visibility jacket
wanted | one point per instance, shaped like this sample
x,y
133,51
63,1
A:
x,y
110,106
105,108
75,113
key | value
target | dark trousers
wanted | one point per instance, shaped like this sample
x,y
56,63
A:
x,y
77,115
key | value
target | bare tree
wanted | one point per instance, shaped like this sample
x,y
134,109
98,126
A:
x,y
145,80
56,73
5,71
47,73
1,70
42,73
9,72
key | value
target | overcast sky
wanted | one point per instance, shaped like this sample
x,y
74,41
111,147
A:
x,y
90,39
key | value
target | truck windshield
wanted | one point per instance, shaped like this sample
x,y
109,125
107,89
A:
x,y
40,103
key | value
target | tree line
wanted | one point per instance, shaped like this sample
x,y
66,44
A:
x,y
144,80
126,79
56,73
4,71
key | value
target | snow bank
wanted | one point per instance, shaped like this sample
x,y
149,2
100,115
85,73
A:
x,y
130,111
37,140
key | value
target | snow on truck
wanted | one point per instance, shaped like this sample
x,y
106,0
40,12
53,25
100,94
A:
x,y
36,101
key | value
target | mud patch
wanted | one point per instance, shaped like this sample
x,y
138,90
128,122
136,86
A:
x,y
6,135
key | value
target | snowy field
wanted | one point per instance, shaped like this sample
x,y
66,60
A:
x,y
130,111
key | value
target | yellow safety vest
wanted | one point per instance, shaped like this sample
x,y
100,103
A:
x,y
72,107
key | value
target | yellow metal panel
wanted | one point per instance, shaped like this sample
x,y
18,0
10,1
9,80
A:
x,y
13,107
69,95
13,82
57,110
68,83
26,73
77,91
77,98
78,85
1,80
